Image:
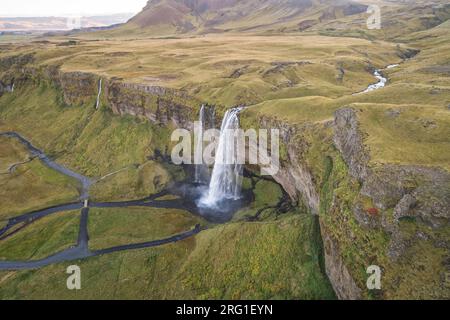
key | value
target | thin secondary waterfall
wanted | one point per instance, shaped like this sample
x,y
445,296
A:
x,y
97,104
201,169
226,179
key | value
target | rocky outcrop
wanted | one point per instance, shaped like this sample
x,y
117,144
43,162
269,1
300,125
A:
x,y
407,53
395,192
411,191
156,104
349,141
78,87
296,179
342,281
294,175
6,88
12,71
159,105
16,61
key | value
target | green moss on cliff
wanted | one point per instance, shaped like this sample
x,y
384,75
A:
x,y
359,247
417,274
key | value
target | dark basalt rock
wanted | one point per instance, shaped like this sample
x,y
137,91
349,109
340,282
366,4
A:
x,y
407,53
17,61
393,113
411,192
349,141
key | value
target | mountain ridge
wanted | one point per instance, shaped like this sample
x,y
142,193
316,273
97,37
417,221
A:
x,y
183,16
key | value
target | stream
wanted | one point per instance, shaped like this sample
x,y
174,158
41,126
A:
x,y
188,195
382,81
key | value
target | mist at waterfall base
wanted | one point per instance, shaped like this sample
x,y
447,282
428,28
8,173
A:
x,y
192,194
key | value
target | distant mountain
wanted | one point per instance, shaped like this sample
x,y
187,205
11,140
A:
x,y
327,17
182,16
36,24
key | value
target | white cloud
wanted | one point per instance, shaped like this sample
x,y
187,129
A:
x,y
37,8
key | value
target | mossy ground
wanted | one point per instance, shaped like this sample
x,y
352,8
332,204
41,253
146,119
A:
x,y
96,144
131,183
31,185
267,194
43,238
116,227
267,260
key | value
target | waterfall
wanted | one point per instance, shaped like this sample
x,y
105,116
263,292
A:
x,y
226,179
201,169
99,94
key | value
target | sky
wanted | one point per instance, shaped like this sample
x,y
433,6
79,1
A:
x,y
42,8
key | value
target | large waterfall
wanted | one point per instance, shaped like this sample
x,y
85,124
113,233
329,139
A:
x,y
226,179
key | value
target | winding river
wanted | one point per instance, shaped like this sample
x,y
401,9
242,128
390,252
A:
x,y
382,80
81,250
187,194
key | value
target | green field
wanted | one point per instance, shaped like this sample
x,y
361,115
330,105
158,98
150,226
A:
x,y
271,260
116,227
45,237
32,185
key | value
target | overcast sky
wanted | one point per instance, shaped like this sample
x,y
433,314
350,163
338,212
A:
x,y
39,8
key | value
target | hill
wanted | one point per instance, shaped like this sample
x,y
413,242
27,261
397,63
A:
x,y
205,16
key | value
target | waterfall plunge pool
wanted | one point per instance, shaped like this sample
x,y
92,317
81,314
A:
x,y
191,195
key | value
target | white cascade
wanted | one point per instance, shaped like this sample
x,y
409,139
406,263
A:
x,y
201,169
226,179
97,104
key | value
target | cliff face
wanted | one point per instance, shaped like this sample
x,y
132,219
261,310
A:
x,y
297,177
77,86
293,175
341,279
392,216
408,191
349,141
12,70
159,105
6,88
409,206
